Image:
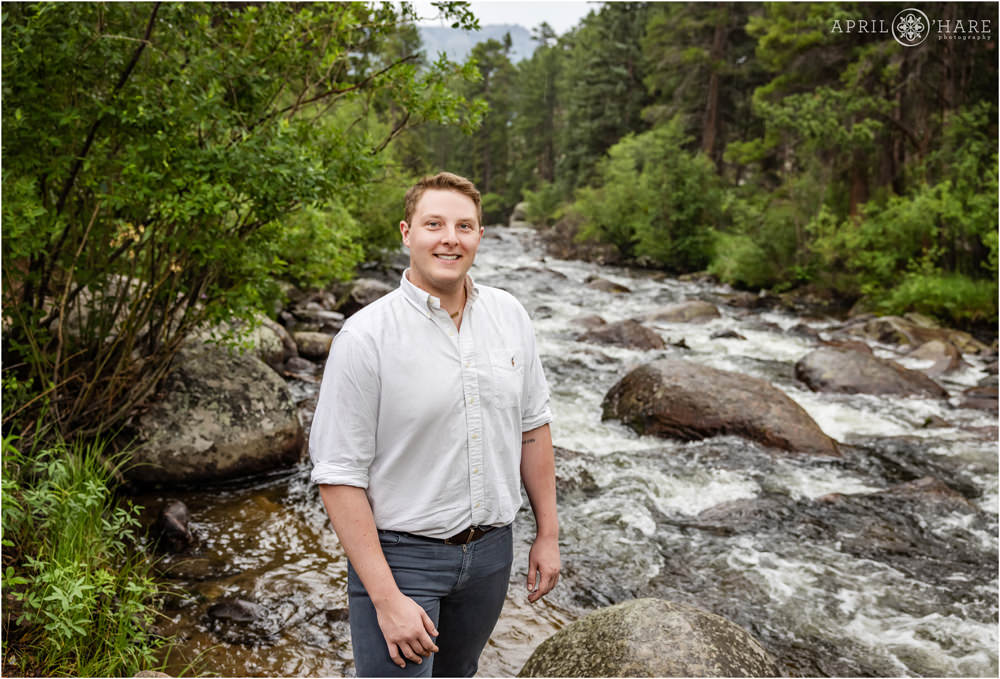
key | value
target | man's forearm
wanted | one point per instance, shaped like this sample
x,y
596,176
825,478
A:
x,y
538,473
352,519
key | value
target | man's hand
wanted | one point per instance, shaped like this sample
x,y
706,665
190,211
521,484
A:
x,y
407,630
543,567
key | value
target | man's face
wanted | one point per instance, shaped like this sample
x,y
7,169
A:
x,y
443,236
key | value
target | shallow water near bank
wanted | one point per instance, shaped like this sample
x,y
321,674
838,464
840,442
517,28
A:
x,y
829,587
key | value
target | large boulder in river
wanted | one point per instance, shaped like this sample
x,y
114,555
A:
x,y
628,333
650,638
687,401
692,311
845,371
221,415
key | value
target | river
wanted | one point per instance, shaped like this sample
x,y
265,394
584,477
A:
x,y
866,585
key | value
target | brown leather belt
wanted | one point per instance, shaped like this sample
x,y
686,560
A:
x,y
470,534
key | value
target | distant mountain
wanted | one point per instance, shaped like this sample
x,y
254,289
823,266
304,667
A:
x,y
457,43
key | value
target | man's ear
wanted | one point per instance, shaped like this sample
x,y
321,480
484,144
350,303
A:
x,y
404,230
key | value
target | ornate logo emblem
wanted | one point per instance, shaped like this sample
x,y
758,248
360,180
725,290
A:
x,y
911,27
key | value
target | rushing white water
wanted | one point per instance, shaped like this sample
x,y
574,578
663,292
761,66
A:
x,y
885,620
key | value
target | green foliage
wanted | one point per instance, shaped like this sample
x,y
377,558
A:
x,y
154,157
739,261
951,298
655,200
494,208
80,595
544,206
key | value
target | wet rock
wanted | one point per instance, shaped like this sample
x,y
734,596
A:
x,y
727,334
543,311
598,283
300,366
650,638
751,300
898,330
588,321
172,527
745,515
687,401
237,621
982,397
314,346
846,371
218,415
803,330
236,610
363,292
946,358
853,345
991,367
151,674
630,334
519,213
193,568
902,459
692,311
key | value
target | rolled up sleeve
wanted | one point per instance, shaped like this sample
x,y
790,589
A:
x,y
342,439
535,409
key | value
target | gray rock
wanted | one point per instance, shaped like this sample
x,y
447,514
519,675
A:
x,y
520,213
845,371
219,415
946,357
803,330
363,292
598,283
150,674
297,364
688,401
650,638
692,311
628,333
588,321
981,397
726,334
236,610
172,527
313,345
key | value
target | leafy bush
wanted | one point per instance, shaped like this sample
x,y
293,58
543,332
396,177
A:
x,y
655,199
80,593
949,297
738,260
543,207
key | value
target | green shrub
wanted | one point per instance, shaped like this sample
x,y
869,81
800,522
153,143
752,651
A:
x,y
741,262
950,298
80,592
655,199
544,205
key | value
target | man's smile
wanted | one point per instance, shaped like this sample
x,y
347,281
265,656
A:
x,y
449,258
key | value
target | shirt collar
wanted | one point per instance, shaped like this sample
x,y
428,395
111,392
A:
x,y
425,300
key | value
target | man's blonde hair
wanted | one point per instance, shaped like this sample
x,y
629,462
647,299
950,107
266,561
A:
x,y
448,182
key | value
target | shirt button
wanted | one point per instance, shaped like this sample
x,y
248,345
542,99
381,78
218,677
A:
x,y
477,505
476,470
468,364
475,436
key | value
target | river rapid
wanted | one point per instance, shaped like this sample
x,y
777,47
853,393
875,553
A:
x,y
864,584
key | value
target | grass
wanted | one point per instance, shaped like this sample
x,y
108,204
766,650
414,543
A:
x,y
78,590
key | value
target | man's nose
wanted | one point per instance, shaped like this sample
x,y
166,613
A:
x,y
450,233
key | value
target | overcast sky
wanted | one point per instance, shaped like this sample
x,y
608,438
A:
x,y
561,15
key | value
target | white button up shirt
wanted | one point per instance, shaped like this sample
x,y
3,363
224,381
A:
x,y
426,417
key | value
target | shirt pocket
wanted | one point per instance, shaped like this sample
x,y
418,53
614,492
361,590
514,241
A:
x,y
508,377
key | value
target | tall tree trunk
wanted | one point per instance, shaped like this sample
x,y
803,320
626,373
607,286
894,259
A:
x,y
710,121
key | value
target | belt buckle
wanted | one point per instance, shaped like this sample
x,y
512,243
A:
x,y
472,534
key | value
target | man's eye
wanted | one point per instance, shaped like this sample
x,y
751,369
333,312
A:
x,y
432,223
467,227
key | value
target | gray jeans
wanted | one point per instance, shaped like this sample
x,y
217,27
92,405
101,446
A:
x,y
462,588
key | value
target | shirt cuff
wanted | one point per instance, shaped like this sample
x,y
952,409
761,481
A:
x,y
337,475
535,421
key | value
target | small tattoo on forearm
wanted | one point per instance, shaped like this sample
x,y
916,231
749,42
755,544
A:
x,y
525,442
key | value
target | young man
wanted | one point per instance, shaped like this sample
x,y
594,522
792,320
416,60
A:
x,y
432,411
